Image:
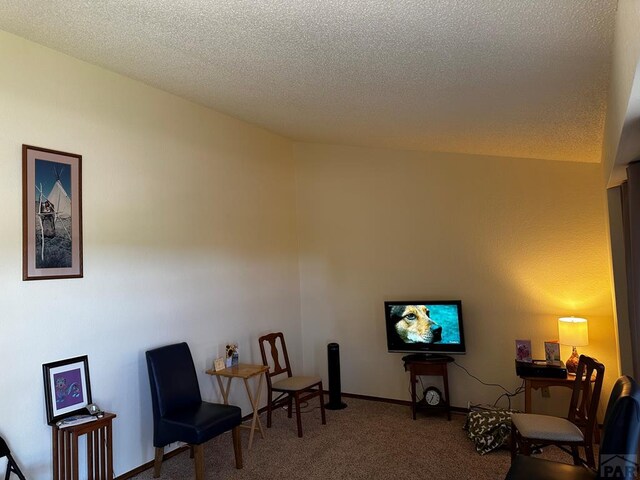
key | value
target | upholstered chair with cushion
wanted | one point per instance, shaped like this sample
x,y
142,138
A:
x,y
294,389
179,414
618,448
574,431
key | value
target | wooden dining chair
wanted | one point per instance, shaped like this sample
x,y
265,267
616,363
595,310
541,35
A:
x,y
293,389
529,430
618,448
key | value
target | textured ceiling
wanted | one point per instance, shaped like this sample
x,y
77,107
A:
x,y
521,78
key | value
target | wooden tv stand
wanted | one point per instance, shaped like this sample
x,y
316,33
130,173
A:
x,y
432,365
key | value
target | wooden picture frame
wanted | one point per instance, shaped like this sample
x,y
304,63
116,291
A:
x,y
51,214
67,389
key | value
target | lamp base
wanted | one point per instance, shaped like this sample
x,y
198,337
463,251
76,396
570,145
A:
x,y
572,362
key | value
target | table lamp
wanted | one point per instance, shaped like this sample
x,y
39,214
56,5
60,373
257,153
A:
x,y
574,332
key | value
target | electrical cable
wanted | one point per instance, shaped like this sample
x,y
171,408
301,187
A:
x,y
293,408
506,393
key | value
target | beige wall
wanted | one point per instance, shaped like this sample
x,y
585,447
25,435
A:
x,y
520,242
189,234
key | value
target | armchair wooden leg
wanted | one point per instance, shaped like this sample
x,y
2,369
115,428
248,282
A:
x,y
290,409
298,415
237,446
190,451
198,451
157,462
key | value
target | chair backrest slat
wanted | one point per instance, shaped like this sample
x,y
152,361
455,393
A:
x,y
583,407
272,339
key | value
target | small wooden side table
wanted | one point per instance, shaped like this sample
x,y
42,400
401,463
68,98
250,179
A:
x,y
245,372
99,450
433,366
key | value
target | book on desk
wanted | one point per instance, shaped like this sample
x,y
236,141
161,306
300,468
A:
x,y
75,420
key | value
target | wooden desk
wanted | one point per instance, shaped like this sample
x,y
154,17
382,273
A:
x,y
245,372
99,450
433,366
534,383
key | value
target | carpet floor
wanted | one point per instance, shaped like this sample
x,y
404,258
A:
x,y
367,440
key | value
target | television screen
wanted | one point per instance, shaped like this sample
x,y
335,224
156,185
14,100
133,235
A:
x,y
424,326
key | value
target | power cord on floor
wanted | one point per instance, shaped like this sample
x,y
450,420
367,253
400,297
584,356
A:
x,y
303,405
507,394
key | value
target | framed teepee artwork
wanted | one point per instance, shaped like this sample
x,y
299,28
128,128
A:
x,y
51,214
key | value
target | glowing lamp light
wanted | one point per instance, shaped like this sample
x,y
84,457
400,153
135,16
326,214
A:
x,y
573,332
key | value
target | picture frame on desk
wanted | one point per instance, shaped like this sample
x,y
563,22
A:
x,y
523,350
232,355
552,352
67,388
219,364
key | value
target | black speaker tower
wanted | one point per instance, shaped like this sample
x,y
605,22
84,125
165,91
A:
x,y
335,390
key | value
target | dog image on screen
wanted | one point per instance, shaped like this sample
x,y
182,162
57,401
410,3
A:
x,y
413,324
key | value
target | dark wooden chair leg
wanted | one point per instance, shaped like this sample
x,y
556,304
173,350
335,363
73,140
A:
x,y
298,415
191,451
324,418
513,443
269,400
157,463
290,409
588,452
198,451
237,446
575,453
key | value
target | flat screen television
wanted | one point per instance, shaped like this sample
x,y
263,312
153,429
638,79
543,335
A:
x,y
424,326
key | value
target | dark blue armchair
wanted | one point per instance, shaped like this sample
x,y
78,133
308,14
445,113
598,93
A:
x,y
179,414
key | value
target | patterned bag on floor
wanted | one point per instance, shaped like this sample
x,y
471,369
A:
x,y
489,428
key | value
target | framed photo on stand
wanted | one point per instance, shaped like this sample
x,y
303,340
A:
x,y
552,352
67,388
523,350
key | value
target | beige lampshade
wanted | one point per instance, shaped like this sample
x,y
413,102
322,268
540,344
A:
x,y
573,331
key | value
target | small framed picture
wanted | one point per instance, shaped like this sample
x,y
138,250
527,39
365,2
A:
x,y
523,350
218,364
67,388
232,354
552,351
